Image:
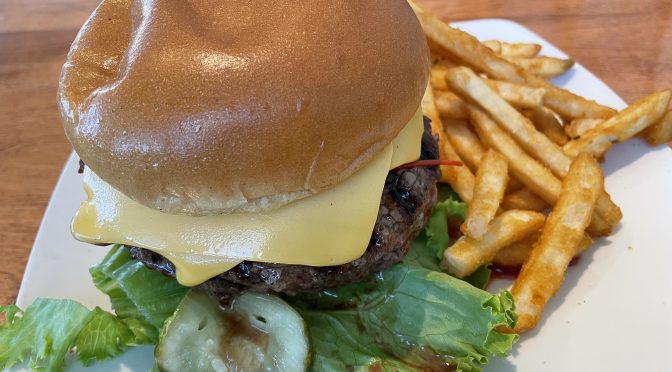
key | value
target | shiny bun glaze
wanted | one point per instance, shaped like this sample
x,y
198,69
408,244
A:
x,y
203,107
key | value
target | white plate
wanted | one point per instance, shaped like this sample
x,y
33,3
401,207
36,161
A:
x,y
612,313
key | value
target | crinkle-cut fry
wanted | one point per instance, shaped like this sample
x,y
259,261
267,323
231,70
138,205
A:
x,y
469,85
468,254
517,253
544,67
518,95
437,78
465,82
491,179
464,141
623,126
543,272
545,120
450,105
661,132
524,199
460,178
576,128
512,50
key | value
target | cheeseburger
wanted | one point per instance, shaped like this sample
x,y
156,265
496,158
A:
x,y
247,145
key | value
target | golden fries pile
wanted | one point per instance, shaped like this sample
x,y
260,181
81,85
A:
x,y
534,190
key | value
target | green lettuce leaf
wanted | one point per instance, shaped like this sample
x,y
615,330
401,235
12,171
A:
x,y
436,236
479,278
142,298
407,317
103,336
48,329
437,228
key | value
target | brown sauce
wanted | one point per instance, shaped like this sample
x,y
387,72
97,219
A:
x,y
235,354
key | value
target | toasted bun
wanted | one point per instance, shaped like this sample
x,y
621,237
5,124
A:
x,y
203,106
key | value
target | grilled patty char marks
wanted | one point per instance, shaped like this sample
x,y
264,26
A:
x,y
408,198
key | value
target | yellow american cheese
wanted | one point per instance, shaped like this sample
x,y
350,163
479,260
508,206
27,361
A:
x,y
330,228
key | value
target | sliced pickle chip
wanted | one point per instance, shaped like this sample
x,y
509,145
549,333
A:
x,y
260,332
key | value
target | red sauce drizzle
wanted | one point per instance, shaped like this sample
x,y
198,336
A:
x,y
429,163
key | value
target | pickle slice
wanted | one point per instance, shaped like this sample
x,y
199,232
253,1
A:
x,y
260,332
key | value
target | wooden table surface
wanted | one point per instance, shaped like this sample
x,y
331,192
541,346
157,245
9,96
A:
x,y
628,44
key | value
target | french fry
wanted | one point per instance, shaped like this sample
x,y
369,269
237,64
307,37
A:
x,y
494,45
543,272
544,67
517,253
441,60
470,148
465,82
448,174
567,104
535,146
437,78
624,125
524,199
513,50
465,142
463,184
661,132
467,254
519,96
513,185
535,150
450,105
576,128
536,177
607,216
530,172
547,123
491,179
460,178
468,49
514,255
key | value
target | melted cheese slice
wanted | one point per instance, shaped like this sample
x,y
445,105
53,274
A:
x,y
329,228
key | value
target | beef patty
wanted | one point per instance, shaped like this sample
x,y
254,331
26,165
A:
x,y
405,206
